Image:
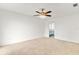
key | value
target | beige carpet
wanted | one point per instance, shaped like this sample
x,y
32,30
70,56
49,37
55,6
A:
x,y
41,46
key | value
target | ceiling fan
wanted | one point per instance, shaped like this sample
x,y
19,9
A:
x,y
43,12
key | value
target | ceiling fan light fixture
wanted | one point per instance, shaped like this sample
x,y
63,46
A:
x,y
43,13
42,16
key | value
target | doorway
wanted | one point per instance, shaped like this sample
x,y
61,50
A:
x,y
51,29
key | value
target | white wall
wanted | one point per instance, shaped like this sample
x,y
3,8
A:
x,y
67,28
46,28
15,27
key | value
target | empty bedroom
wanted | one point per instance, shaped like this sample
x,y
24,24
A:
x,y
39,28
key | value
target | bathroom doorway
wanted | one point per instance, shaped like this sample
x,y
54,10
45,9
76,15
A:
x,y
51,29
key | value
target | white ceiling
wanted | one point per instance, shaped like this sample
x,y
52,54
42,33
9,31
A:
x,y
59,9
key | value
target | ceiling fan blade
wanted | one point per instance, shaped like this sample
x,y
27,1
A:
x,y
48,11
36,15
37,11
48,15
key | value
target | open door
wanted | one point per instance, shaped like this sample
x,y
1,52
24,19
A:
x,y
51,29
